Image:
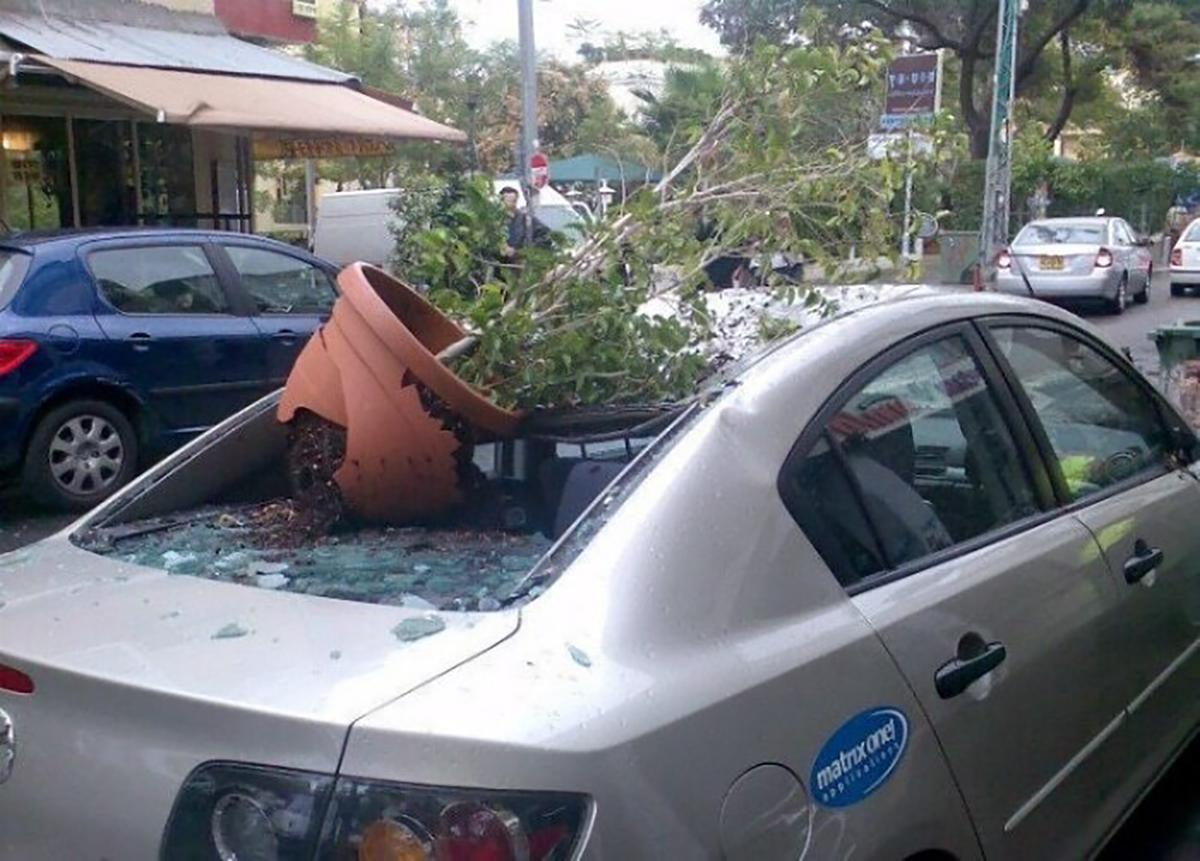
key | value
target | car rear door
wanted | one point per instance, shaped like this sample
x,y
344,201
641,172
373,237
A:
x,y
290,298
1114,452
999,611
175,331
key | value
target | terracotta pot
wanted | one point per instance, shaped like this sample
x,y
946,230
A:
x,y
373,369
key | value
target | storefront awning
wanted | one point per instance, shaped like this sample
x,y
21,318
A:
x,y
254,104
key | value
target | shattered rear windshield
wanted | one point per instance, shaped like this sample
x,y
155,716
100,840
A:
x,y
534,497
444,569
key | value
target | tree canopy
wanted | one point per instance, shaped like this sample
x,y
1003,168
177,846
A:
x,y
1066,46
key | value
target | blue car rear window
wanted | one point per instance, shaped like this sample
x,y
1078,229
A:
x,y
13,266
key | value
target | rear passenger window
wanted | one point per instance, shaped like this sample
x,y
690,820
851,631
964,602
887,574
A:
x,y
281,284
1102,426
914,462
173,279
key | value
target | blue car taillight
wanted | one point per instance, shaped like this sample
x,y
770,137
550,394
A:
x,y
230,812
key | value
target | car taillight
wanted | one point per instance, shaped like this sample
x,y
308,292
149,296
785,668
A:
x,y
1177,257
1104,259
1004,260
15,681
370,821
228,811
13,354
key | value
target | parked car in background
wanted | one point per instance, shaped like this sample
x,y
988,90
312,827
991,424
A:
x,y
1078,260
922,582
1185,260
117,346
356,226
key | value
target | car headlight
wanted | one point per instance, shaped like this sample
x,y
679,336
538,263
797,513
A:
x,y
229,812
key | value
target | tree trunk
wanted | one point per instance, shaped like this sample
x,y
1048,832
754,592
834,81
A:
x,y
978,122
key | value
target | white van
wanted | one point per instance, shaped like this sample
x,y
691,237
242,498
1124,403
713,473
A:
x,y
355,226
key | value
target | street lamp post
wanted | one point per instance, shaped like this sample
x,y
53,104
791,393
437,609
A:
x,y
997,204
528,144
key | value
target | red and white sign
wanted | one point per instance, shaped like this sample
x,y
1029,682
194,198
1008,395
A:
x,y
539,169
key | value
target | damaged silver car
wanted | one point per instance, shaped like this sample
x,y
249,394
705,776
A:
x,y
920,582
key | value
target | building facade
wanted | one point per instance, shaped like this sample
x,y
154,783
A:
x,y
117,112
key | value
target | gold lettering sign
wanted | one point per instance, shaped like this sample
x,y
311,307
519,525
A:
x,y
266,149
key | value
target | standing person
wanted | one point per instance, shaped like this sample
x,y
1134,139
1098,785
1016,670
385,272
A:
x,y
1176,222
518,233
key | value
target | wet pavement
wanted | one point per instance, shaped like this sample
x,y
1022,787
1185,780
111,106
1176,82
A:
x,y
22,523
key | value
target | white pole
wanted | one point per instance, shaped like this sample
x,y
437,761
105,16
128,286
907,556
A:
x,y
528,145
906,243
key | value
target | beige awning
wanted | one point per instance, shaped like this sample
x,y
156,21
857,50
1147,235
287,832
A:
x,y
246,103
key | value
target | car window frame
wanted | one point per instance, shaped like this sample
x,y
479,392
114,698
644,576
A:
x,y
10,289
1170,419
1014,420
204,243
246,298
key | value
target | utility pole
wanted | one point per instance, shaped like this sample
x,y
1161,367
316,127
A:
x,y
997,203
528,144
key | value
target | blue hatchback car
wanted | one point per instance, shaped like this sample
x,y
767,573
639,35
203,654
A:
x,y
118,346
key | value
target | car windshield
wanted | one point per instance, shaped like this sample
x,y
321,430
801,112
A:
x,y
13,266
1048,233
532,512
1193,233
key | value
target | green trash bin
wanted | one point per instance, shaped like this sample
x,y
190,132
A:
x,y
1179,366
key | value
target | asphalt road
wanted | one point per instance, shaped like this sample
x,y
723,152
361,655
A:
x,y
1166,827
1132,328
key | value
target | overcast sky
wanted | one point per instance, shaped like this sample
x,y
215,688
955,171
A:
x,y
492,20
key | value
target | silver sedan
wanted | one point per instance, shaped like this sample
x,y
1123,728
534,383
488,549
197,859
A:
x,y
1078,259
923,581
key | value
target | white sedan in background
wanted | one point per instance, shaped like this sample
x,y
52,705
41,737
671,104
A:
x,y
1078,260
1185,260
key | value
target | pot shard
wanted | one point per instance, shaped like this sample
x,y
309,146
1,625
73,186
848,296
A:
x,y
373,370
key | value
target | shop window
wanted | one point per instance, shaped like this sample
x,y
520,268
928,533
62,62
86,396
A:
x,y
36,177
168,188
105,172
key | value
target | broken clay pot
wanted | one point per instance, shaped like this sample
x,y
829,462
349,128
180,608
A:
x,y
409,420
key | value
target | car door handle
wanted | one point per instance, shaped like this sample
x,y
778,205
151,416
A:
x,y
1144,560
287,336
140,340
956,676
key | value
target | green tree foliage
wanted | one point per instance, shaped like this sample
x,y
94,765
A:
x,y
1066,45
690,98
777,168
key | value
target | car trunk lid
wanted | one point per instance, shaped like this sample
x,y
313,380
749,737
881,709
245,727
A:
x,y
1057,259
141,676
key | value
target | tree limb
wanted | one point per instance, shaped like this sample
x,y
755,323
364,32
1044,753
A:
x,y
1070,89
940,39
1028,64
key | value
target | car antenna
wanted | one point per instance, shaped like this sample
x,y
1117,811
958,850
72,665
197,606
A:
x,y
1024,277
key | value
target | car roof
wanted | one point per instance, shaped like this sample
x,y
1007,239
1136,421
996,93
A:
x,y
79,236
1092,220
926,307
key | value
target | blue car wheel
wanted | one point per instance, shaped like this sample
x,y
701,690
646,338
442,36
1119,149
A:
x,y
79,454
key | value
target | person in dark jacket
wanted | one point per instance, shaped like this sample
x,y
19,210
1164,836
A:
x,y
519,234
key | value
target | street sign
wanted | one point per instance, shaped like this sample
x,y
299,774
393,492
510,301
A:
x,y
914,89
539,169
